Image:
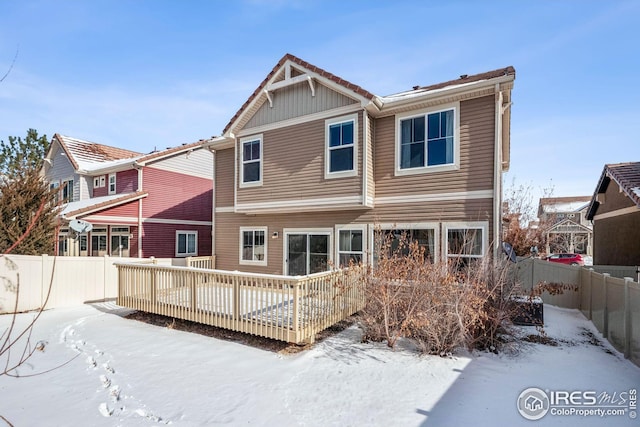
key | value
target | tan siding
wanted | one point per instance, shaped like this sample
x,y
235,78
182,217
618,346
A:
x,y
224,181
228,226
296,101
294,162
476,155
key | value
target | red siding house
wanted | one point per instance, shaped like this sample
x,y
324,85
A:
x,y
139,205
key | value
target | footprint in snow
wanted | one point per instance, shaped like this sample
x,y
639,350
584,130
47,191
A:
x,y
105,410
92,362
114,393
108,368
106,382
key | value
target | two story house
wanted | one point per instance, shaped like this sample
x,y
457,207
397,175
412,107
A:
x,y
311,165
139,205
614,209
567,228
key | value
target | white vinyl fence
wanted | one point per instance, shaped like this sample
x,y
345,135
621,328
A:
x,y
73,280
611,303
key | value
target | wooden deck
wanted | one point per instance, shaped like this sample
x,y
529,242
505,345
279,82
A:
x,y
285,308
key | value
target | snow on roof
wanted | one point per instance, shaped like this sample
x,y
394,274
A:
x,y
87,152
565,207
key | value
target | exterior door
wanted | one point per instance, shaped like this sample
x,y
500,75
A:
x,y
120,245
307,253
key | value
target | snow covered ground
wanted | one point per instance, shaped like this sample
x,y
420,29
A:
x,y
122,372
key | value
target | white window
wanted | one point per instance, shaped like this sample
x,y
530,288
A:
x,y
307,251
394,238
428,141
253,246
466,241
112,183
186,243
341,143
251,161
350,247
98,182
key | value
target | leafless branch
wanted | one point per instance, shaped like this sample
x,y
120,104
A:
x,y
12,64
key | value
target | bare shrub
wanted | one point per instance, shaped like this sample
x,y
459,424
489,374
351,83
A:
x,y
442,306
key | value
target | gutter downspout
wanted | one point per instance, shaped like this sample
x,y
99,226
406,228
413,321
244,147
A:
x,y
497,175
213,210
139,168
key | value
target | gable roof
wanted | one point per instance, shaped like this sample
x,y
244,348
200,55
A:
x,y
626,175
276,69
84,154
419,97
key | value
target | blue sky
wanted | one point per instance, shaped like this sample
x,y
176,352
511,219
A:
x,y
151,74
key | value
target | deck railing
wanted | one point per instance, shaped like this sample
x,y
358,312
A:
x,y
285,308
202,262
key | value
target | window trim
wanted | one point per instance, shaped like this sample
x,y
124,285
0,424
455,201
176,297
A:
x,y
187,253
424,113
471,225
242,261
351,227
327,149
115,187
388,226
257,183
69,189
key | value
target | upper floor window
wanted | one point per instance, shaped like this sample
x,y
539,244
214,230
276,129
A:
x,y
427,141
112,183
186,243
98,182
251,165
67,191
340,156
55,188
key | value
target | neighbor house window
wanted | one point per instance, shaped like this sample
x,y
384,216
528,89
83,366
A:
x,y
54,187
427,141
112,183
350,247
67,191
98,182
251,166
186,243
341,147
253,248
465,242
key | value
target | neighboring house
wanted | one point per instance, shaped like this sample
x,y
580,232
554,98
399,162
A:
x,y
311,164
139,205
566,225
615,212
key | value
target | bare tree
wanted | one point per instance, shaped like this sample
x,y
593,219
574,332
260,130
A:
x,y
522,228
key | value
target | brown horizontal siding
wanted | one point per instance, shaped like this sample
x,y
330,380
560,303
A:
x,y
614,199
294,166
224,179
477,138
615,240
228,226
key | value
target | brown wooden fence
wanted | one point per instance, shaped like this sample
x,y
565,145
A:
x,y
285,308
